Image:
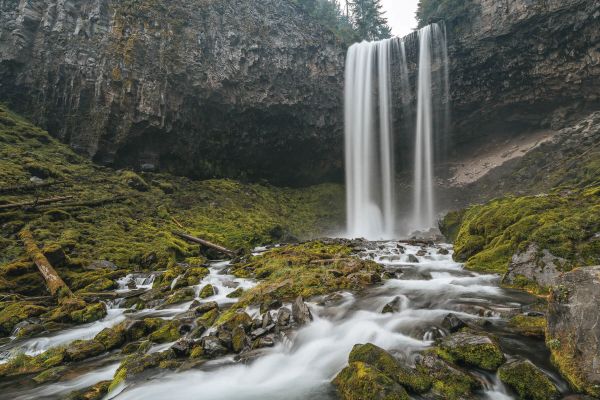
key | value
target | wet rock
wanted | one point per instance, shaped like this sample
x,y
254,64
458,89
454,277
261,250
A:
x,y
527,380
237,319
471,349
203,308
55,254
180,296
267,320
83,349
301,312
533,267
283,316
453,323
207,291
444,252
236,293
421,253
239,339
573,330
393,306
265,341
225,336
28,328
412,258
386,363
528,325
197,332
261,331
362,381
270,305
212,347
50,375
182,347
446,380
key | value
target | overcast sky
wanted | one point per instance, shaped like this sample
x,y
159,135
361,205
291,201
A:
x,y
401,15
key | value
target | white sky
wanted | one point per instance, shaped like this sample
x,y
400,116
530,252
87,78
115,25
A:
x,y
401,15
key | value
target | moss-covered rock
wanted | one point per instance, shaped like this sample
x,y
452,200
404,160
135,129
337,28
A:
x,y
96,392
375,356
471,349
23,364
448,382
13,313
90,313
564,223
138,363
50,375
237,293
527,380
83,349
528,325
207,291
169,332
360,381
181,296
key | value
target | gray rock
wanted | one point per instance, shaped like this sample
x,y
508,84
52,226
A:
x,y
261,331
301,312
412,258
573,328
393,306
212,346
452,323
537,266
182,347
283,316
267,319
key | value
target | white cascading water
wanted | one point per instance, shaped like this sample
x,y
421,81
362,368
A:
x,y
369,131
369,151
432,52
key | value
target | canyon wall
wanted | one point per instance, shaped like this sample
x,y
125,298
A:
x,y
204,88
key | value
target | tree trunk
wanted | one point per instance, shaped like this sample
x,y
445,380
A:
x,y
206,243
54,282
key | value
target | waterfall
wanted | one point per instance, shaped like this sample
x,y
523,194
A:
x,y
432,53
369,141
371,69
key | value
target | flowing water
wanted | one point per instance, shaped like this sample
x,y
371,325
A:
x,y
303,366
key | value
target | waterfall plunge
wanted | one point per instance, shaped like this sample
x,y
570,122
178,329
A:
x,y
369,130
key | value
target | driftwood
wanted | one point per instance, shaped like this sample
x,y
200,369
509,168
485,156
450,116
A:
x,y
34,203
54,282
205,243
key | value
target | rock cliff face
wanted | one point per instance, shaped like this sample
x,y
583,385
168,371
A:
x,y
246,89
523,64
253,89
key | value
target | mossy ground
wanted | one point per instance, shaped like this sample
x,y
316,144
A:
x,y
127,218
564,222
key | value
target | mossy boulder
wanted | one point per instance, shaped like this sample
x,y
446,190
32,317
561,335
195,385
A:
x,y
169,332
232,319
92,312
24,365
373,355
50,375
471,349
361,381
448,381
134,181
237,293
528,325
180,296
13,313
527,380
207,291
138,363
83,349
95,392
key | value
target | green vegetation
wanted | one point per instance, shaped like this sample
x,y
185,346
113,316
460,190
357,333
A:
x,y
528,325
450,11
369,21
306,270
563,222
359,381
528,381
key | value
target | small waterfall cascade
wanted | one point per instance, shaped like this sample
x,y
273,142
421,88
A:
x,y
377,84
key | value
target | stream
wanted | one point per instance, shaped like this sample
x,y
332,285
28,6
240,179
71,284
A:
x,y
428,288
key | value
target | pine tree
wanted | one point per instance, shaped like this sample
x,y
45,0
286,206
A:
x,y
369,19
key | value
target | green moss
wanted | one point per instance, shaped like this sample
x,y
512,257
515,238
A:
x,y
169,332
50,375
96,392
564,223
13,313
360,381
207,291
90,313
450,224
24,365
375,356
447,381
527,380
304,270
476,351
528,326
109,218
236,293
83,349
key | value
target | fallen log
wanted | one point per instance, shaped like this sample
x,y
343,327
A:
x,y
34,203
205,243
54,282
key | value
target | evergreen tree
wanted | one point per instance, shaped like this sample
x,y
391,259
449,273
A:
x,y
369,20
